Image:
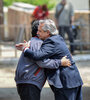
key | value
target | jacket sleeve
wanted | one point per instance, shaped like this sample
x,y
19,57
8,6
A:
x,y
46,51
49,63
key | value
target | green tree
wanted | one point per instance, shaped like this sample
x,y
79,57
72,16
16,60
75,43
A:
x,y
50,3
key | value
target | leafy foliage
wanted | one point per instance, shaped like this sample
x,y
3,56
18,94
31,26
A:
x,y
50,3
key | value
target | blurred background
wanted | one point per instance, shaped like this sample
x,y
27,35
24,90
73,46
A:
x,y
15,24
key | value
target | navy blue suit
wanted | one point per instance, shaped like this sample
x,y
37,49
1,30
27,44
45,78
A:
x,y
64,77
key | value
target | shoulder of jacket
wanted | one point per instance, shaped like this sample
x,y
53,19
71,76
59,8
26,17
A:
x,y
52,39
36,39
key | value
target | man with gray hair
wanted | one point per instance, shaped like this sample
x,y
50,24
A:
x,y
50,25
65,82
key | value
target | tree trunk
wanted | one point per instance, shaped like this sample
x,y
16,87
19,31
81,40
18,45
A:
x,y
1,20
1,12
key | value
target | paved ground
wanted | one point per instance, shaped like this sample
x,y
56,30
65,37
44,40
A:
x,y
8,88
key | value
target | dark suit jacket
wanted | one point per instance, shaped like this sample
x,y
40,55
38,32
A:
x,y
64,77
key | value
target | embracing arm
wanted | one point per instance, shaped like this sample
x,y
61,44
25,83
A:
x,y
49,63
46,50
54,63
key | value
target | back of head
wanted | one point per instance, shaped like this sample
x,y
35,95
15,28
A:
x,y
50,26
34,28
44,7
64,1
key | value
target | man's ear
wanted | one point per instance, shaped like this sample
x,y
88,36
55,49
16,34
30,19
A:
x,y
48,32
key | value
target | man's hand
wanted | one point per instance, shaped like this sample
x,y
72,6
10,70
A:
x,y
22,46
65,61
19,46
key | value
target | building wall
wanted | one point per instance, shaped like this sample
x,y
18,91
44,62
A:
x,y
24,18
18,17
79,4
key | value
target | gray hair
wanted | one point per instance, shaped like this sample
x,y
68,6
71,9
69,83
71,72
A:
x,y
50,26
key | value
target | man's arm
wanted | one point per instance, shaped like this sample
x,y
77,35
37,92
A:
x,y
54,63
46,50
71,14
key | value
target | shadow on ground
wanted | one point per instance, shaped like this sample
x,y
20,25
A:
x,y
46,94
